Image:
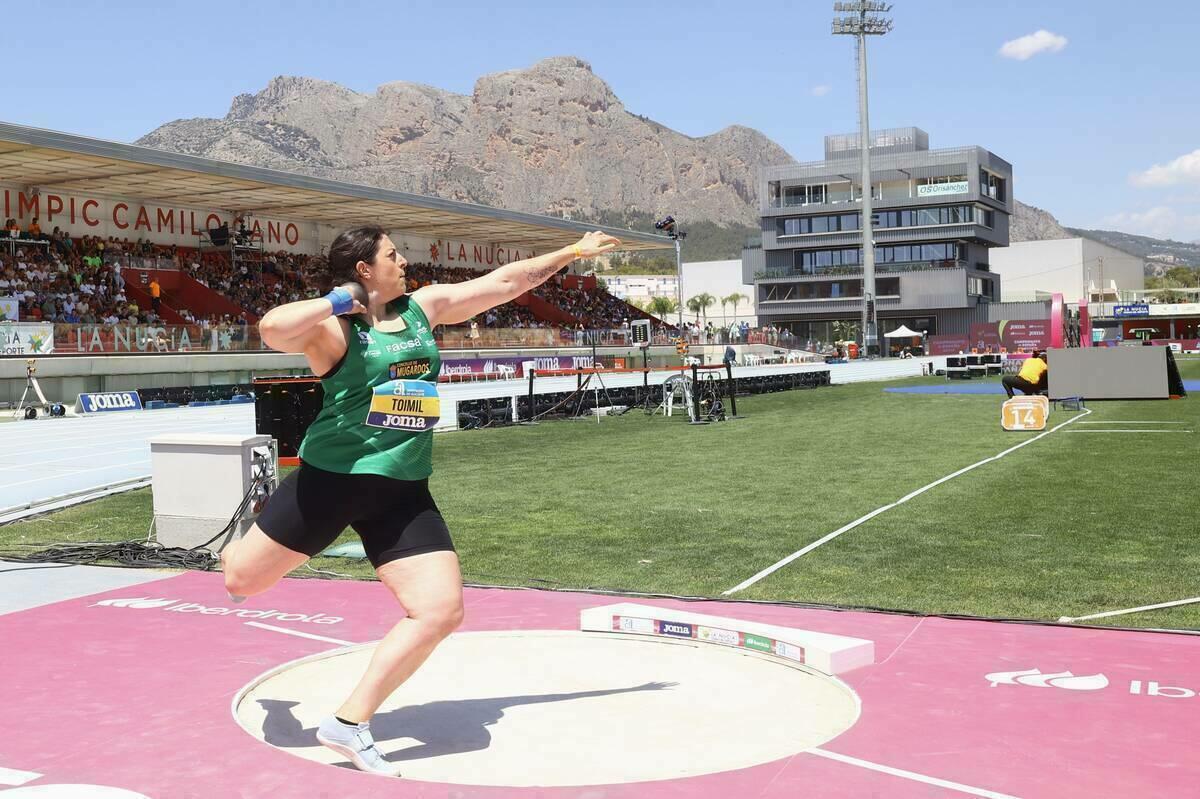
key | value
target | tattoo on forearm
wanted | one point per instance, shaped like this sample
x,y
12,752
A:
x,y
540,274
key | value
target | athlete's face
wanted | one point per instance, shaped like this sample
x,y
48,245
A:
x,y
387,272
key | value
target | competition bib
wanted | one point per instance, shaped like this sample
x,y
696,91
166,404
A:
x,y
404,405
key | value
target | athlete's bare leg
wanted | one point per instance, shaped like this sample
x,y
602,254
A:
x,y
255,563
429,588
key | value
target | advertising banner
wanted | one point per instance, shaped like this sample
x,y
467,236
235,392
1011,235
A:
x,y
484,366
109,401
1131,310
155,338
1026,334
10,309
949,345
26,338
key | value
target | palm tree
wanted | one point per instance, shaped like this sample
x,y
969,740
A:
x,y
693,305
704,302
662,307
846,330
734,299
724,302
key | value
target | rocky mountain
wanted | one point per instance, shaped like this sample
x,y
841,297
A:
x,y
550,139
1033,224
1165,253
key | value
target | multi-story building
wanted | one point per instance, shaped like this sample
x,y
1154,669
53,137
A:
x,y
935,212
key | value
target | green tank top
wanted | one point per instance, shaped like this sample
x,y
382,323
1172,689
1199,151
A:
x,y
381,402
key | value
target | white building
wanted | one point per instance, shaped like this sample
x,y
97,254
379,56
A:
x,y
640,287
720,279
1079,269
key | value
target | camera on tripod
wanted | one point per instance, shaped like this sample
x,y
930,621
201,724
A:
x,y
667,225
29,410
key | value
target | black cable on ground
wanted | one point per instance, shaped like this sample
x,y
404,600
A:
x,y
139,554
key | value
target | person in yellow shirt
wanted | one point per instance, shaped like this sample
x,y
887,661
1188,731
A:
x,y
1033,377
155,294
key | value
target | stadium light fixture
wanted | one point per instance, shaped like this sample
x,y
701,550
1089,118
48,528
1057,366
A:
x,y
861,19
669,226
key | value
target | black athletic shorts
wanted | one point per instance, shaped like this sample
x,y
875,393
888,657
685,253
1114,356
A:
x,y
394,518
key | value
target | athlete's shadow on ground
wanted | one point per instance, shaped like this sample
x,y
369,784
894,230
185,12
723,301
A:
x,y
443,728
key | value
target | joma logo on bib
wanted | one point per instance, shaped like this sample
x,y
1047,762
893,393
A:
x,y
404,405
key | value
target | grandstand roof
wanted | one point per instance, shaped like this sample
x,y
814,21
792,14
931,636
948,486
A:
x,y
48,159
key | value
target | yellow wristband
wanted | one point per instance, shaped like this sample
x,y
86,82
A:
x,y
578,252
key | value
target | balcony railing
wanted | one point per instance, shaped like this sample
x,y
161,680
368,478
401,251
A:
x,y
856,271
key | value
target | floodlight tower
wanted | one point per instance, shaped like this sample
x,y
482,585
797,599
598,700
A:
x,y
861,19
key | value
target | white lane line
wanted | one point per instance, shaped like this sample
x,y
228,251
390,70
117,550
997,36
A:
x,y
910,775
776,566
11,776
107,453
1106,614
111,433
145,462
1127,421
297,633
1144,432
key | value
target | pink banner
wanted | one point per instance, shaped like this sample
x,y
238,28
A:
x,y
1012,335
949,345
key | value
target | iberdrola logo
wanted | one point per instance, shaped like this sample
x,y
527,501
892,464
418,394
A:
x,y
1034,678
141,603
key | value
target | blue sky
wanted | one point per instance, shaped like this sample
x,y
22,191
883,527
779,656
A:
x,y
1101,121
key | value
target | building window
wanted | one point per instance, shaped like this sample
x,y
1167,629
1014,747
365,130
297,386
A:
x,y
813,194
799,226
979,287
790,227
815,262
992,186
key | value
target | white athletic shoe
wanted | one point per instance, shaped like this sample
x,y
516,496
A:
x,y
356,743
235,599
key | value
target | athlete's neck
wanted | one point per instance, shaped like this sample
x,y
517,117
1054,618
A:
x,y
377,308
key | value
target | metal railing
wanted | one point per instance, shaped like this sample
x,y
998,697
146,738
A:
x,y
126,261
852,271
123,338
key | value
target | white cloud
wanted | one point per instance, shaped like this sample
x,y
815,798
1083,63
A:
x,y
1160,222
821,91
1184,169
1043,41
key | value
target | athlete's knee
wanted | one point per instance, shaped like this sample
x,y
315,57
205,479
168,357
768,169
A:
x,y
241,581
441,620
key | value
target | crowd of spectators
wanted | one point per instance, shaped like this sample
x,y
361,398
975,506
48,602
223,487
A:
x,y
67,281
61,279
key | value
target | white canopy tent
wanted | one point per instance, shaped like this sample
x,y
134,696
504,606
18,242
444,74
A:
x,y
901,332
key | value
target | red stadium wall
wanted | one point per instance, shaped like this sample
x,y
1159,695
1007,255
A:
x,y
141,296
546,311
183,291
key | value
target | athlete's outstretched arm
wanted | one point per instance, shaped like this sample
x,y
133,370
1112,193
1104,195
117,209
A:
x,y
293,326
451,303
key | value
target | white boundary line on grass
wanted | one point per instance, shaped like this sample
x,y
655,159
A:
x,y
1176,603
1130,421
775,567
1121,430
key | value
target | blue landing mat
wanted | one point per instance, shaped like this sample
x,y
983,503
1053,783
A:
x,y
986,388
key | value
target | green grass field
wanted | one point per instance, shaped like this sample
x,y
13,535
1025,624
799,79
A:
x,y
1072,524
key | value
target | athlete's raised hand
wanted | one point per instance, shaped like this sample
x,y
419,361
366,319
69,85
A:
x,y
595,243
